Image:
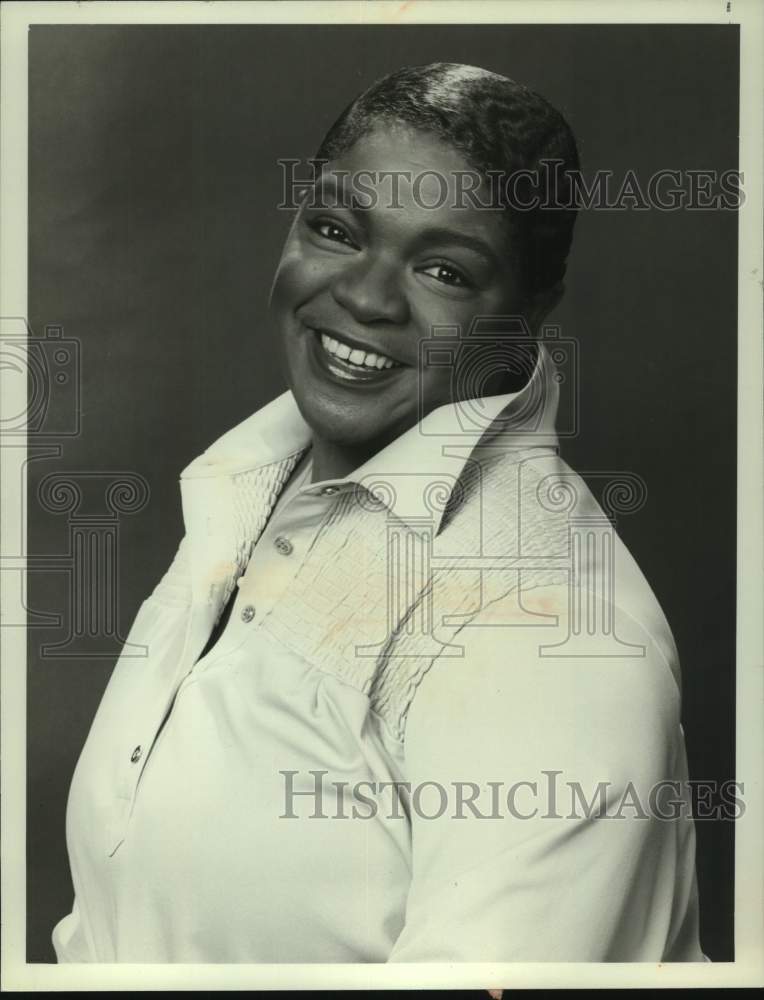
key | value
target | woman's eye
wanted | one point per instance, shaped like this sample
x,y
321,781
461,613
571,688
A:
x,y
447,274
331,231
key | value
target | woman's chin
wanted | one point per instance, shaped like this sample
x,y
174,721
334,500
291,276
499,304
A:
x,y
347,414
341,425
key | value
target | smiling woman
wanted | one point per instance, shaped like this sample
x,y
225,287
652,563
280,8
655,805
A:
x,y
377,281
397,704
426,254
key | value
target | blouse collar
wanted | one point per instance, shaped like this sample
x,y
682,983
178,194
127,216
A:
x,y
436,448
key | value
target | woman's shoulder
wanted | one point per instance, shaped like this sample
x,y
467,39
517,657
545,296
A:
x,y
534,520
530,555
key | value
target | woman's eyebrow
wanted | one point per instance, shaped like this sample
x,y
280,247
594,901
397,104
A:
x,y
454,237
334,185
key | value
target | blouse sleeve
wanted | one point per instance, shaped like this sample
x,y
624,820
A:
x,y
542,786
69,941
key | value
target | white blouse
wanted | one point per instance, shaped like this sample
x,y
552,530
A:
x,y
271,813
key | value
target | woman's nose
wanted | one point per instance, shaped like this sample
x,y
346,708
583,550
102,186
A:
x,y
370,291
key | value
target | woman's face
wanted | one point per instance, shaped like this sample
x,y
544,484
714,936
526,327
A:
x,y
358,290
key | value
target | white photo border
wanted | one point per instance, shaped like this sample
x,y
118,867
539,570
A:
x,y
748,967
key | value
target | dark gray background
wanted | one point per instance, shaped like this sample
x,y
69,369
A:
x,y
153,239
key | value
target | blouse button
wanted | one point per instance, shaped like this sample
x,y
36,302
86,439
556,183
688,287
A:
x,y
136,755
248,613
283,545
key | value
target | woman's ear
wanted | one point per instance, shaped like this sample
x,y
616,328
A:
x,y
541,304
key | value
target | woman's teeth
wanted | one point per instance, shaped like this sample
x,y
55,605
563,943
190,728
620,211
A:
x,y
362,359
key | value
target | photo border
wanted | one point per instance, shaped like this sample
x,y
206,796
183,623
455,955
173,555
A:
x,y
748,967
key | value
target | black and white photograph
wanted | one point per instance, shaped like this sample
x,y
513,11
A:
x,y
381,453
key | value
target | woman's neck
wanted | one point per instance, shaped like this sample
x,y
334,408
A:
x,y
335,461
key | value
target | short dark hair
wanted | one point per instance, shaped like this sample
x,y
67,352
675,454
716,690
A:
x,y
497,125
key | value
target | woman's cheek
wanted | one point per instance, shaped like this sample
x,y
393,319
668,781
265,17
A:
x,y
298,277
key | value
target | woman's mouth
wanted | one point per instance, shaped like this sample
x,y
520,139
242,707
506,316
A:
x,y
351,364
